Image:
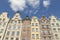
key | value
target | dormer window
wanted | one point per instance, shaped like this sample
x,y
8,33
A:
x,y
3,19
34,19
57,24
0,18
53,20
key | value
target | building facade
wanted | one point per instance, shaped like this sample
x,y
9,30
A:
x,y
13,31
3,24
26,29
55,25
35,31
17,28
45,29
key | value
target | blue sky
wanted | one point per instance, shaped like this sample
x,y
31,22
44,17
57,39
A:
x,y
54,8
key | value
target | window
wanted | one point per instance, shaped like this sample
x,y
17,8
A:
x,y
47,26
36,29
53,20
1,30
56,36
4,24
15,21
11,38
33,36
18,27
6,38
18,21
24,30
32,24
57,24
13,33
14,27
37,36
42,26
0,19
33,30
18,33
17,38
0,36
52,24
58,29
44,38
28,31
34,19
49,38
9,27
49,32
3,19
54,29
8,32
44,32
36,24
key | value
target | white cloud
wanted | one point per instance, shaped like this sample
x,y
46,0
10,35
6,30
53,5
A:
x,y
17,5
46,3
20,5
33,3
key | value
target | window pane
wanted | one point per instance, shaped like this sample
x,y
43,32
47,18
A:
x,y
33,36
8,32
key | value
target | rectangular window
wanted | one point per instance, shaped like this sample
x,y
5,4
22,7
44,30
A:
x,y
13,33
0,37
36,29
57,24
58,29
33,36
49,32
8,32
52,24
33,30
44,38
37,36
1,30
42,26
17,38
56,36
36,24
49,38
18,33
54,29
11,38
32,24
6,38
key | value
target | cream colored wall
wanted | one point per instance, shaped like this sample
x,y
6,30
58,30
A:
x,y
57,21
32,21
3,16
12,25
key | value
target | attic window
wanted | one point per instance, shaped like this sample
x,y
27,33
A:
x,y
54,20
16,15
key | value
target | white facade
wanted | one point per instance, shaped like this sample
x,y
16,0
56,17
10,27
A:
x,y
55,25
3,24
13,31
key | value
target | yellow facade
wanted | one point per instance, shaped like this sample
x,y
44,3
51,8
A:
x,y
35,31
